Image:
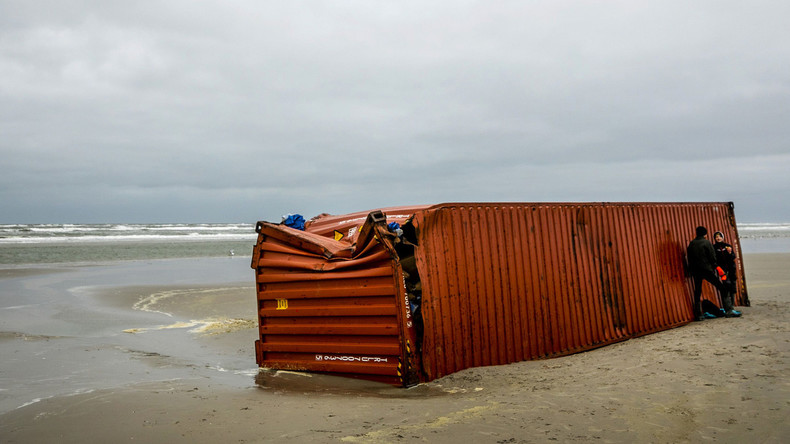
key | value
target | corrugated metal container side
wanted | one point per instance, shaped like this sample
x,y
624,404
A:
x,y
514,281
330,306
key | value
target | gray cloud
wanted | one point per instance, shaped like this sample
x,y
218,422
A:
x,y
217,111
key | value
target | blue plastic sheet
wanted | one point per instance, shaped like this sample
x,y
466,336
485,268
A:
x,y
294,221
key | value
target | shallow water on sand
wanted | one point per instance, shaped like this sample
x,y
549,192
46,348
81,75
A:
x,y
76,328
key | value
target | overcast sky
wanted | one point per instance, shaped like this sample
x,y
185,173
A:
x,y
238,111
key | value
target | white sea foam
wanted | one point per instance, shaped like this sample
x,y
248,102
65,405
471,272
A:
x,y
17,307
149,302
776,233
764,227
33,401
82,391
248,372
79,233
201,326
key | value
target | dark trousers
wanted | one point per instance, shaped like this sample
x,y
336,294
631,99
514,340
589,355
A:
x,y
730,289
711,277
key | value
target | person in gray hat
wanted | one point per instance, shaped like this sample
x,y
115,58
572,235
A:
x,y
725,259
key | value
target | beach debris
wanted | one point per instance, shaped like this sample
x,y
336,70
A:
x,y
294,221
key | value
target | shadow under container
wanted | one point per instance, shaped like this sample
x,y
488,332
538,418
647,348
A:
x,y
474,284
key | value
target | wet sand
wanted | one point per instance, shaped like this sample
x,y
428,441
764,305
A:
x,y
721,380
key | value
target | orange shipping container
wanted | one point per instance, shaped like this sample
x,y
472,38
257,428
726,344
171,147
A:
x,y
474,284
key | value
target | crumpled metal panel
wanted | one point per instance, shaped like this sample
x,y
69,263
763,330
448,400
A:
x,y
332,306
346,227
510,282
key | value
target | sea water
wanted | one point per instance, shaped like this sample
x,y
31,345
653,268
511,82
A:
x,y
765,237
63,329
90,243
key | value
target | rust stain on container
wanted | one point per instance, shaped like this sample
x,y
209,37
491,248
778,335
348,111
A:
x,y
495,283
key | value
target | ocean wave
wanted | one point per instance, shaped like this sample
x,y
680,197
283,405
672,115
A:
x,y
764,227
130,238
69,233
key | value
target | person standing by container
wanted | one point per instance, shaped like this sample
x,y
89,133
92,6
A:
x,y
725,259
702,263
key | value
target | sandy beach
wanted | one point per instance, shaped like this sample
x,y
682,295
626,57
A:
x,y
174,362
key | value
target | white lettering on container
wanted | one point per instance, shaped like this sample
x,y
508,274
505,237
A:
x,y
350,358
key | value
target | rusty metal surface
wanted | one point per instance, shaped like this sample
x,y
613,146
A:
x,y
499,283
326,306
510,282
347,225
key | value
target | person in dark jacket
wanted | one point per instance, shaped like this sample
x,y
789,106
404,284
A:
x,y
725,259
702,263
